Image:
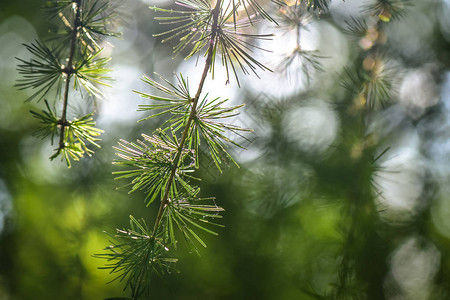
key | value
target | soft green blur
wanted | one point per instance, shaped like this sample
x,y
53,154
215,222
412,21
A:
x,y
302,218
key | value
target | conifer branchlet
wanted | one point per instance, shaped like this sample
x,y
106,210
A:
x,y
70,61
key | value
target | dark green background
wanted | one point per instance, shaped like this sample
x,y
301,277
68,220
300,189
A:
x,y
290,212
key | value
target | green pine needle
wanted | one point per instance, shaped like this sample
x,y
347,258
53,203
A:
x,y
207,124
317,5
78,135
136,256
387,10
178,99
376,86
90,72
193,30
49,122
150,162
44,73
189,214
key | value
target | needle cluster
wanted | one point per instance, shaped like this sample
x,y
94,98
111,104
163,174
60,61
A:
x,y
69,61
163,164
374,82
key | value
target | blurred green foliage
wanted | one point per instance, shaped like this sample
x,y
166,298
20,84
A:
x,y
301,221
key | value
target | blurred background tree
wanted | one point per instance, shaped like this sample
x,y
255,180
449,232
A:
x,y
333,200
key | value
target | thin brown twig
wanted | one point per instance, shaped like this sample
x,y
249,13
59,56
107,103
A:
x,y
69,72
208,62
